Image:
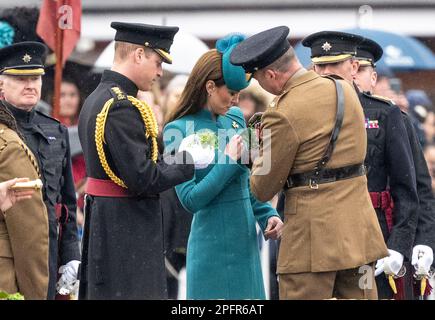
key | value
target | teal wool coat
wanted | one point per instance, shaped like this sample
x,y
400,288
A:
x,y
223,259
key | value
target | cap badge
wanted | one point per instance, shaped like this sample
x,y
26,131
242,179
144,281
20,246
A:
x,y
27,58
326,46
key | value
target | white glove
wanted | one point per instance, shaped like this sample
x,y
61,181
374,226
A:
x,y
422,258
391,264
202,155
68,283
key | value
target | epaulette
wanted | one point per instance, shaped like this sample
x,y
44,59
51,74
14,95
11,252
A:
x,y
118,94
2,131
380,98
7,134
236,115
275,100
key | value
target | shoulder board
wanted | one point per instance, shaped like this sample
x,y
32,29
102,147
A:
x,y
275,100
380,98
46,116
3,133
118,94
7,134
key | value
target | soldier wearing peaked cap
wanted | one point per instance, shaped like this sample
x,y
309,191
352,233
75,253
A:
x,y
390,168
313,147
24,227
332,46
123,254
368,53
21,68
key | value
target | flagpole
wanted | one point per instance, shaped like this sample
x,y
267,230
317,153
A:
x,y
58,72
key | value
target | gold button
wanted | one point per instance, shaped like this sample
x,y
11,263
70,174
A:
x,y
147,44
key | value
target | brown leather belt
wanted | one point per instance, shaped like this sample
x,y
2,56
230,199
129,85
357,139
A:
x,y
324,176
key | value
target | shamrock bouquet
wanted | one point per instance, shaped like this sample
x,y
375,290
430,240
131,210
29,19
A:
x,y
201,145
14,296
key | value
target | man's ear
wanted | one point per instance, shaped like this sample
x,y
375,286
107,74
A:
x,y
374,79
355,67
139,55
269,74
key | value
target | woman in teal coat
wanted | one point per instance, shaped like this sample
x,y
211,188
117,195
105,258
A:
x,y
223,260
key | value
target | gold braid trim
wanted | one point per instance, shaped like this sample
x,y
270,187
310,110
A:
x,y
31,158
151,130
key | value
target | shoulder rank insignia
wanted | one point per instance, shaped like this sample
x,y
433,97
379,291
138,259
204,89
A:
x,y
371,124
385,99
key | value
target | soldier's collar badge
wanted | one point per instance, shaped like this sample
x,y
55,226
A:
x,y
27,58
326,46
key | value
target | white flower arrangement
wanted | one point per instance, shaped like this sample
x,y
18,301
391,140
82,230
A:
x,y
201,146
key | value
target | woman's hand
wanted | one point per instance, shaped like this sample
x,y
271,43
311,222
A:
x,y
9,197
234,147
274,228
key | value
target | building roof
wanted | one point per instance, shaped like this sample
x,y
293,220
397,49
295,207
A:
x,y
158,5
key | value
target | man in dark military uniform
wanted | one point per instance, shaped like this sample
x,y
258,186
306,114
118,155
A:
x,y
368,53
123,250
391,173
48,140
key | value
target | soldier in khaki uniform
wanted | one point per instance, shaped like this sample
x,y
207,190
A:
x,y
330,227
24,227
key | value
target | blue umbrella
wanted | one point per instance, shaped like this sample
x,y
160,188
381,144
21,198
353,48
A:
x,y
401,53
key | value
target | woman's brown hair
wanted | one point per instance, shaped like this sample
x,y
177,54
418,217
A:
x,y
194,96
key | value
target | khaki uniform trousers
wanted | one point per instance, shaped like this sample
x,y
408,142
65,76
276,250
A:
x,y
358,283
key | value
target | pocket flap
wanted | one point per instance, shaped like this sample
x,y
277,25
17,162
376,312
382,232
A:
x,y
291,204
5,249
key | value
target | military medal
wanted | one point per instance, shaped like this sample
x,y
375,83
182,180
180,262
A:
x,y
235,125
371,124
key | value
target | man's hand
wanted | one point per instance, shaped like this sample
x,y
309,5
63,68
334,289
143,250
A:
x,y
68,283
274,228
422,259
255,119
9,197
391,264
255,122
